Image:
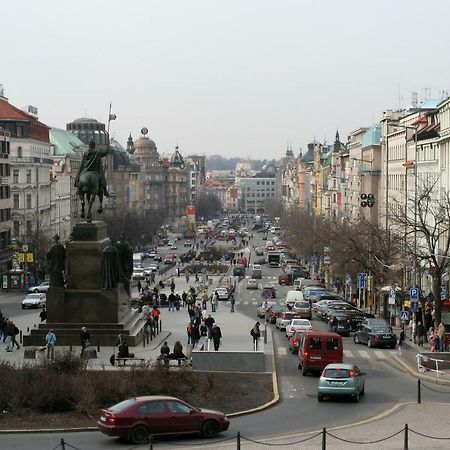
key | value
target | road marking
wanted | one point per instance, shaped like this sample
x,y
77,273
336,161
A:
x,y
364,354
348,353
379,354
245,303
254,303
282,350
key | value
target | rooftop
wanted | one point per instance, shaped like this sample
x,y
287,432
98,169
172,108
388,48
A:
x,y
64,142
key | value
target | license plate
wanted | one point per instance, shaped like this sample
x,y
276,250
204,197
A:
x,y
386,337
337,383
316,357
103,419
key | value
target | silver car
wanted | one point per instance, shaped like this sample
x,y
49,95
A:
x,y
303,309
37,300
297,325
43,287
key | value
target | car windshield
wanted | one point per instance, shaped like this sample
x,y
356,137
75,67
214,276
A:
x,y
302,305
123,405
337,373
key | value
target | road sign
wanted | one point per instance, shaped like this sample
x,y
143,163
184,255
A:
x,y
414,306
266,294
24,248
362,280
414,294
326,259
404,315
391,300
313,260
348,280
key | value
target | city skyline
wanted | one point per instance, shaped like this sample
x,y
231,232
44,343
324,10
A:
x,y
235,79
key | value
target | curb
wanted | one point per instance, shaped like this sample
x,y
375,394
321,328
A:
x,y
419,375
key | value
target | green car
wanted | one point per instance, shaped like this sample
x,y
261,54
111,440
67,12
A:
x,y
339,380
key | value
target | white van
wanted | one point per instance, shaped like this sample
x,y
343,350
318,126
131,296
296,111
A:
x,y
292,297
137,258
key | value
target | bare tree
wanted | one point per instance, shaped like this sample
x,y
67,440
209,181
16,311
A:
x,y
207,205
425,219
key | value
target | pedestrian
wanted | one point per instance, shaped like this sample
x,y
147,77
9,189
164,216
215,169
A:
x,y
155,313
255,332
15,331
172,285
42,314
203,329
177,302
184,299
205,297
189,332
332,325
139,286
209,322
420,333
412,330
232,302
195,335
441,336
172,301
178,352
216,336
8,334
85,339
164,353
187,277
50,342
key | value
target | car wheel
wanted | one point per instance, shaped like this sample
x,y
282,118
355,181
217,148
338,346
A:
x,y
139,435
356,397
320,397
304,371
356,339
23,307
369,343
362,392
393,346
210,429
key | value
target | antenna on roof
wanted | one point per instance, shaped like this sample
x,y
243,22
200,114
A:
x,y
2,91
414,99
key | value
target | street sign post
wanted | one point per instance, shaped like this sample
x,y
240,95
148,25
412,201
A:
x,y
391,300
404,315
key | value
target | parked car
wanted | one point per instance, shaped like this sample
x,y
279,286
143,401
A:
x,y
43,287
303,309
138,418
375,333
339,380
271,289
151,268
257,274
173,246
35,300
170,258
297,325
262,308
152,254
284,319
238,270
252,283
317,349
294,341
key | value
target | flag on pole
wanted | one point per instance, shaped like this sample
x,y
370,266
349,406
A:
x,y
112,117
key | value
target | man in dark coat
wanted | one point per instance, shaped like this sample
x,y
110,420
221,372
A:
x,y
216,336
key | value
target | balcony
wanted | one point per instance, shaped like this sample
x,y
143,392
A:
x,y
30,160
5,181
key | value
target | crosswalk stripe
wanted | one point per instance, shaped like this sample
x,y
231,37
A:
x,y
379,354
364,354
245,303
282,350
348,353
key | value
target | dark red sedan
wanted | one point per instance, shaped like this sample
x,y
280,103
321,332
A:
x,y
137,418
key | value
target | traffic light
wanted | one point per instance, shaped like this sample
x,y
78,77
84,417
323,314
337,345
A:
x,y
367,200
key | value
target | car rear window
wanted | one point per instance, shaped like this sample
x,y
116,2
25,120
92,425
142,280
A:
x,y
332,343
315,343
123,405
289,316
337,373
302,305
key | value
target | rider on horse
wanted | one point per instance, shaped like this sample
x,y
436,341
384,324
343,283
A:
x,y
92,162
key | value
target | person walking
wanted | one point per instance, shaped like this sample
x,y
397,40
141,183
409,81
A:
x,y
172,301
195,335
8,332
215,302
209,322
420,333
85,339
50,342
401,338
216,336
232,302
172,286
205,297
139,286
255,332
184,299
15,331
441,335
42,314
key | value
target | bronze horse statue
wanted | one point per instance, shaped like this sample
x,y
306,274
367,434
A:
x,y
88,189
90,180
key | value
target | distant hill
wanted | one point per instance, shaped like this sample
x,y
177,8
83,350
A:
x,y
218,162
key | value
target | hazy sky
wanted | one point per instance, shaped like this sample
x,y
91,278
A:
x,y
229,77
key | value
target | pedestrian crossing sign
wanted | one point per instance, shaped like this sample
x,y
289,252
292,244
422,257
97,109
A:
x,y
404,315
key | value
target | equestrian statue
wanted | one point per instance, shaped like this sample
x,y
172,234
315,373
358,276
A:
x,y
90,180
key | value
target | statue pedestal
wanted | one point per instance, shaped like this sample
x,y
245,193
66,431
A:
x,y
105,312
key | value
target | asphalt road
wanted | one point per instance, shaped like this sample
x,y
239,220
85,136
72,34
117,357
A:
x,y
298,410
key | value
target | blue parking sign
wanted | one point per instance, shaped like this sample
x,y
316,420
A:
x,y
414,294
362,280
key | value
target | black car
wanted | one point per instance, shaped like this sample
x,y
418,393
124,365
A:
x,y
342,324
375,333
239,270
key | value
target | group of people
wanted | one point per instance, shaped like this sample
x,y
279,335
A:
x,y
8,333
201,325
166,355
434,336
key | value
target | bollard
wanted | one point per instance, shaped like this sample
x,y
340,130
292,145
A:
x,y
160,325
63,444
98,348
405,442
419,396
70,349
20,336
28,329
238,441
324,439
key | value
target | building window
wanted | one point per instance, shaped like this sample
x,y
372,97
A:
x,y
19,130
272,183
29,201
15,176
19,152
16,204
29,227
16,227
28,175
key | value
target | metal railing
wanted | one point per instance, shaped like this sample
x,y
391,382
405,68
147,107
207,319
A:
x,y
421,359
